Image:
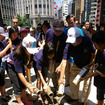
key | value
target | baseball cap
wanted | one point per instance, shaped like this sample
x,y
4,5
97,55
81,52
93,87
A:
x,y
23,29
8,27
73,34
2,32
58,24
29,43
32,29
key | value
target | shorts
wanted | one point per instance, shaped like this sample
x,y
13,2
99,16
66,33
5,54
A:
x,y
44,71
18,86
100,94
2,78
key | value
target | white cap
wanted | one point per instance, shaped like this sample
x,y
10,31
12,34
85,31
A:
x,y
73,34
29,43
8,27
2,32
31,29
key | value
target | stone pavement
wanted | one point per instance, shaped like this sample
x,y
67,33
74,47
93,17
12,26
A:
x,y
65,101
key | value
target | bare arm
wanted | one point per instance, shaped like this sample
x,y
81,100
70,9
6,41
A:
x,y
41,77
5,49
91,60
62,67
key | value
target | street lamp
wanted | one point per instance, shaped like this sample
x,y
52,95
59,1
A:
x,y
27,17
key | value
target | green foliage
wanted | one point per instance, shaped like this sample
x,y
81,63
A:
x,y
22,20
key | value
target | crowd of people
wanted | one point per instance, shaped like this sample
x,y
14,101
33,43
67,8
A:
x,y
64,51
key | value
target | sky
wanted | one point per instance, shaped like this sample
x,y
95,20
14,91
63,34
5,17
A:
x,y
59,2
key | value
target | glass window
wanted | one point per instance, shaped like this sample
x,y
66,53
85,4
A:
x,y
47,1
44,6
40,6
44,2
39,1
35,1
35,5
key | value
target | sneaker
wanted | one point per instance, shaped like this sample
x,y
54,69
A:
x,y
61,90
27,102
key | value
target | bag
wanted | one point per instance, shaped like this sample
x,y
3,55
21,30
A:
x,y
3,63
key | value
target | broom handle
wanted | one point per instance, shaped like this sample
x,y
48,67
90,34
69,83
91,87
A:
x,y
29,75
90,79
9,40
42,37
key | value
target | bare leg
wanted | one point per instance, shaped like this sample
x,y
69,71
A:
x,y
100,102
39,84
39,87
18,98
23,94
2,88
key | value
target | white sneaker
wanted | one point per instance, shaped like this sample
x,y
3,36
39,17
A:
x,y
61,89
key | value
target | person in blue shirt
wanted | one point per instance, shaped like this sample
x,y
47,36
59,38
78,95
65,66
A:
x,y
70,19
99,81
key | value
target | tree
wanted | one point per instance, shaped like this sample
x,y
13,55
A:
x,y
22,20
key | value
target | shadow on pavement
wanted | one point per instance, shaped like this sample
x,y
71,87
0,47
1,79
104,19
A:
x,y
90,103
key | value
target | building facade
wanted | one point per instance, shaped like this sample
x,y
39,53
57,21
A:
x,y
60,13
1,20
82,11
73,7
93,12
7,11
39,10
70,7
100,18
65,8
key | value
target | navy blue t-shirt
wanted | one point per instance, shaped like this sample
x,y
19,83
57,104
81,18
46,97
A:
x,y
51,37
17,65
40,37
40,63
16,42
99,81
81,53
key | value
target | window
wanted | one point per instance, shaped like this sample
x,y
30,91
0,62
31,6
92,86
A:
x,y
44,2
35,1
39,1
35,5
44,6
40,6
